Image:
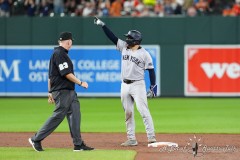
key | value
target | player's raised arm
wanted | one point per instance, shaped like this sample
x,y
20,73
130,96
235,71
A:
x,y
106,30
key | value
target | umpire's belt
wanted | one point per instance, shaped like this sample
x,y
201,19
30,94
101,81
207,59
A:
x,y
127,81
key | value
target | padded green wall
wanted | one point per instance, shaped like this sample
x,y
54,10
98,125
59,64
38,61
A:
x,y
171,33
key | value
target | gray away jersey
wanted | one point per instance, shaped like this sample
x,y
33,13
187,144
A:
x,y
134,63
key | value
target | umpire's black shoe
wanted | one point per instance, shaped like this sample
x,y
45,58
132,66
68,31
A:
x,y
82,147
36,145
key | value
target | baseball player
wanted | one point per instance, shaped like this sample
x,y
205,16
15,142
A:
x,y
61,85
135,60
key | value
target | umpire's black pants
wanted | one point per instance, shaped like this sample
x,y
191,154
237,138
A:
x,y
67,104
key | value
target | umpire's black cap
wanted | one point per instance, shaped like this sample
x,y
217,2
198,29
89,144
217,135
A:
x,y
65,36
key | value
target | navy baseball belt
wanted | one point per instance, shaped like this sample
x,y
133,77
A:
x,y
127,81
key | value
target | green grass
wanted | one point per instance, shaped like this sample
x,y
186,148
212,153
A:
x,y
170,115
197,115
64,154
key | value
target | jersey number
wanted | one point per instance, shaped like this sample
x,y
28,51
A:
x,y
63,66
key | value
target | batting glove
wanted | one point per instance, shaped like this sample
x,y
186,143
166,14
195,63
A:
x,y
98,22
153,91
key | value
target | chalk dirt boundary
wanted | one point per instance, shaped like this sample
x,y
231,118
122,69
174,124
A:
x,y
219,146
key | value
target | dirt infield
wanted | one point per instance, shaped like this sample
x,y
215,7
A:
x,y
211,146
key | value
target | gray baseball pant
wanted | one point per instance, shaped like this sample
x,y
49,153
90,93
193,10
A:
x,y
136,92
66,104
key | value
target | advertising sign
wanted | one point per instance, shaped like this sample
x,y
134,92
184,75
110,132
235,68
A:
x,y
24,69
212,70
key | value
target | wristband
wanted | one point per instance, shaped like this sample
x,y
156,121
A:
x,y
80,83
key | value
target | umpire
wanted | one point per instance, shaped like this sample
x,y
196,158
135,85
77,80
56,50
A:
x,y
61,86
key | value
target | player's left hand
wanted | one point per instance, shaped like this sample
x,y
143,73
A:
x,y
50,98
153,91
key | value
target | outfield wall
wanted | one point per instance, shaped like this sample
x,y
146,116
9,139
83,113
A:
x,y
171,34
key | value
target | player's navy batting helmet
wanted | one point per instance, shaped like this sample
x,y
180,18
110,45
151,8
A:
x,y
134,37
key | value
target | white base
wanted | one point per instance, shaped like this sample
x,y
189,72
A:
x,y
162,144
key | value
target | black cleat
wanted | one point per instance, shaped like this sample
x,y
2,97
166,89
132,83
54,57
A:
x,y
36,145
82,147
